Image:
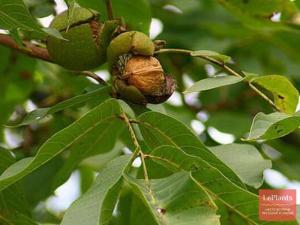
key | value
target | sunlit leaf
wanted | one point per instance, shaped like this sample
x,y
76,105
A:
x,y
247,162
285,95
213,82
211,54
274,125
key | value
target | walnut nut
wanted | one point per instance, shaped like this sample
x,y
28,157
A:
x,y
131,60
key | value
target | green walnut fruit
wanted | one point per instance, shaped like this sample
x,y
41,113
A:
x,y
86,39
138,75
134,42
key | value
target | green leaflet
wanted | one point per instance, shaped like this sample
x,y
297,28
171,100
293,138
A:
x,y
80,133
247,162
97,204
15,15
285,95
272,126
38,114
131,209
100,141
158,130
176,200
13,199
211,54
213,182
213,82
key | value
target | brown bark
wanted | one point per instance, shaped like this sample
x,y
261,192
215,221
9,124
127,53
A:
x,y
29,48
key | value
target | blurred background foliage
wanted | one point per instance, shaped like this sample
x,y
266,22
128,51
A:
x,y
262,37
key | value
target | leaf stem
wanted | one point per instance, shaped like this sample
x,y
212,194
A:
x,y
109,9
173,50
138,149
132,134
144,166
94,76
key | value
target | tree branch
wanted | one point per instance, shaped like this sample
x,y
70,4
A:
x,y
37,52
29,48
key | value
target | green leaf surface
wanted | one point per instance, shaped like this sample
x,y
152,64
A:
x,y
79,134
272,126
97,204
102,140
247,162
176,200
238,200
40,8
87,178
10,198
18,218
38,114
213,182
15,15
158,130
285,95
131,209
14,208
40,181
227,217
211,54
213,82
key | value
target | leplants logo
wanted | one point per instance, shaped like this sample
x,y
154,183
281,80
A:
x,y
277,205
